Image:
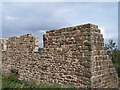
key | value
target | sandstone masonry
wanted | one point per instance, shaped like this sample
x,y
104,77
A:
x,y
72,55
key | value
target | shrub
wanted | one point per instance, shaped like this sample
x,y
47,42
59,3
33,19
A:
x,y
9,81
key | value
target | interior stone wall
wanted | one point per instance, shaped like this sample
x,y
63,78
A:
x,y
72,55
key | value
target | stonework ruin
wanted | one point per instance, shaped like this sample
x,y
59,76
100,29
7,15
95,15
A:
x,y
71,56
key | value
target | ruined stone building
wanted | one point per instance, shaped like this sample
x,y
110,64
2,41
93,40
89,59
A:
x,y
72,55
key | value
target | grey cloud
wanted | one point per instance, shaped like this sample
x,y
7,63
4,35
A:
x,y
21,18
29,17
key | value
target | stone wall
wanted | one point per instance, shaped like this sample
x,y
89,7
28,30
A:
x,y
24,43
72,55
3,44
103,71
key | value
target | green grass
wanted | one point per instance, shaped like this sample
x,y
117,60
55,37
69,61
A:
x,y
10,81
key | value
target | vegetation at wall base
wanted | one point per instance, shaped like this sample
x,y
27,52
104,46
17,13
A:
x,y
10,82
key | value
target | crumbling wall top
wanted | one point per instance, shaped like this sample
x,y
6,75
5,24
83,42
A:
x,y
23,43
83,26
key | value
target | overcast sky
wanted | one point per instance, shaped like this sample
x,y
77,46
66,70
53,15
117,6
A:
x,y
37,17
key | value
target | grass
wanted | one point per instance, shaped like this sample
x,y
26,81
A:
x,y
10,82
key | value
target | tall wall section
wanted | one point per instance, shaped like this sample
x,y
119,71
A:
x,y
69,57
103,71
